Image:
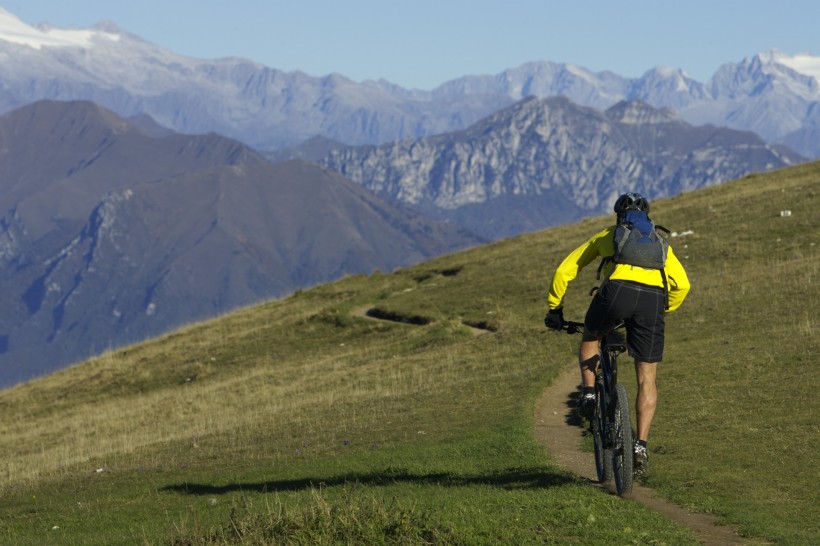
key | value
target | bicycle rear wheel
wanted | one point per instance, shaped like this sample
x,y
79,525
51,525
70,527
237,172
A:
x,y
622,453
603,456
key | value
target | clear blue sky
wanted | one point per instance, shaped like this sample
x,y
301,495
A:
x,y
423,43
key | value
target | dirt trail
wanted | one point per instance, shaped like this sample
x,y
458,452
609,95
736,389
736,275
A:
x,y
556,428
362,313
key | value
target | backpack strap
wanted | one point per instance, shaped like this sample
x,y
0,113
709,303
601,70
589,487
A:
x,y
604,262
663,273
665,290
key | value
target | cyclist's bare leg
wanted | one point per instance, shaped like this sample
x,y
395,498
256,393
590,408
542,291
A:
x,y
588,358
647,399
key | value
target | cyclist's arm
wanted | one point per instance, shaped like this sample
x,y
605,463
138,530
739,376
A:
x,y
678,281
572,264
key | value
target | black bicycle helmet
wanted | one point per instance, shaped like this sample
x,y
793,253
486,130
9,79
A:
x,y
631,201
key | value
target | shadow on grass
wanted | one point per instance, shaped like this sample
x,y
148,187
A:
x,y
514,478
571,417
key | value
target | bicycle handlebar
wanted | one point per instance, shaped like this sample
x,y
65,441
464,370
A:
x,y
571,327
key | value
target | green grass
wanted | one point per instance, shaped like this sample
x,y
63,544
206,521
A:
x,y
296,422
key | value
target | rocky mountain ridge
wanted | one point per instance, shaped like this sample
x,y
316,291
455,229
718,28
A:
x,y
271,109
542,161
109,235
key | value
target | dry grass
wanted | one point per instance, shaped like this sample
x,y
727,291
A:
x,y
226,378
266,381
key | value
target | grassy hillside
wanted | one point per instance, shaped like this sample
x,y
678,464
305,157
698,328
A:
x,y
299,419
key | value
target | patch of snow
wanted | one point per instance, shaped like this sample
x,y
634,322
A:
x,y
679,77
803,63
581,73
16,31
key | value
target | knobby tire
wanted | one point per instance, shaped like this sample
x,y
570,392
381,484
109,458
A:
x,y
603,456
622,454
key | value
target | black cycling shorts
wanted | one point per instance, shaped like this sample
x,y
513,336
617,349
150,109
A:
x,y
641,307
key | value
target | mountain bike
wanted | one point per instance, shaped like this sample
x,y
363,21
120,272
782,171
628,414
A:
x,y
611,425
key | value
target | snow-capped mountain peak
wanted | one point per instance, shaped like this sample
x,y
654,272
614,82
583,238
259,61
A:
x,y
773,94
16,31
802,63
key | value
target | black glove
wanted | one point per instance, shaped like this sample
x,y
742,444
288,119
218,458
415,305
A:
x,y
554,319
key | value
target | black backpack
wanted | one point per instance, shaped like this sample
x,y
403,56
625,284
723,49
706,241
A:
x,y
638,241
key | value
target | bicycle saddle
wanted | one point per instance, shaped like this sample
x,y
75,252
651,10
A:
x,y
615,342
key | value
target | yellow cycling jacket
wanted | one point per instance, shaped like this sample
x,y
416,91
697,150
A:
x,y
602,245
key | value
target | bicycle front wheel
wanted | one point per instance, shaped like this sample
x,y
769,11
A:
x,y
603,456
622,452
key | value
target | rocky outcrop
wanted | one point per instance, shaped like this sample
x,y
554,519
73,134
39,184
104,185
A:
x,y
549,158
270,109
109,235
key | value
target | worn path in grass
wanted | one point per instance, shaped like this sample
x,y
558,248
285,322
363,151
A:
x,y
362,312
558,430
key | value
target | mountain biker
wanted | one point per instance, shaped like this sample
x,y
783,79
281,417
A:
x,y
628,293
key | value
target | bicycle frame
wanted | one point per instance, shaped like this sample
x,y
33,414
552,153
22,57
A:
x,y
612,345
611,425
